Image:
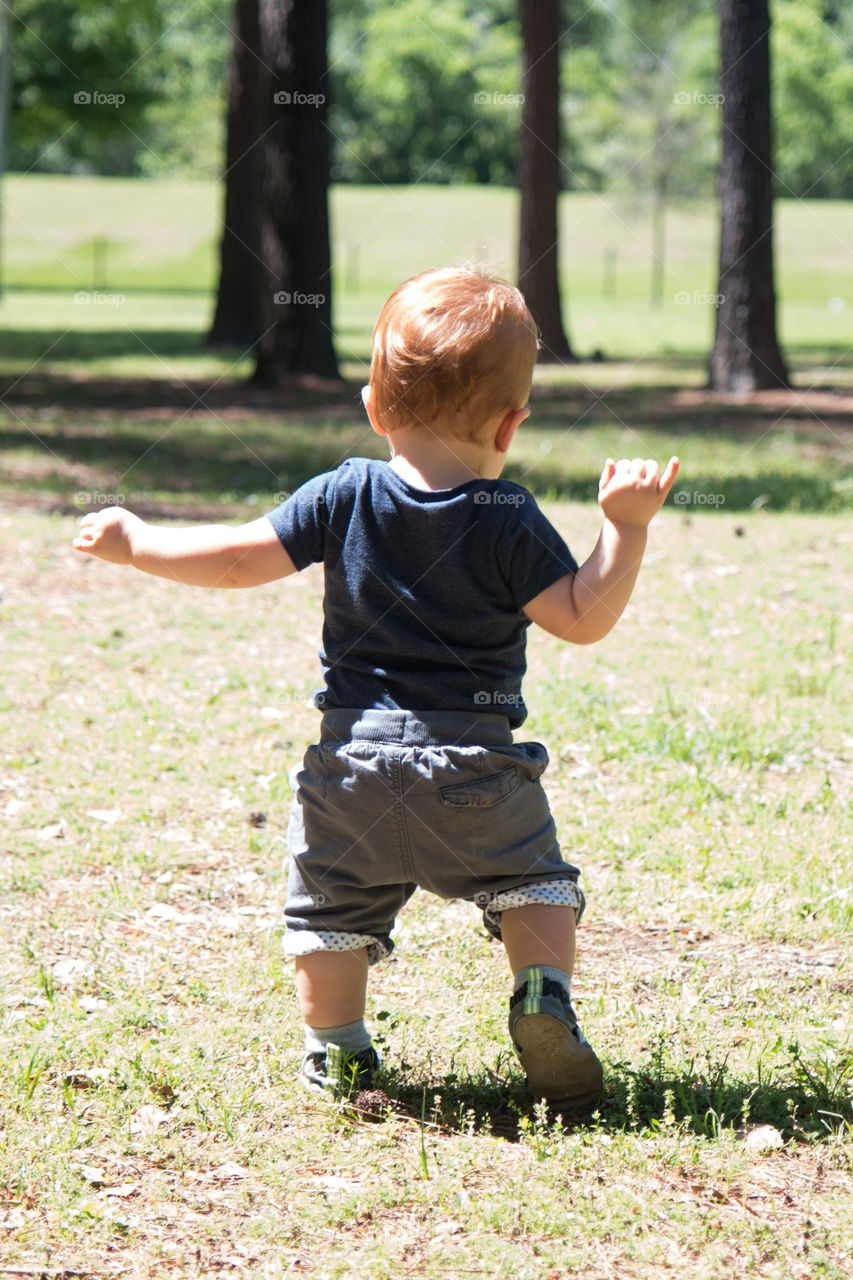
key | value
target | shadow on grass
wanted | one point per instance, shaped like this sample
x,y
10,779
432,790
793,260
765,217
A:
x,y
178,446
188,465
82,345
776,490
804,1100
61,346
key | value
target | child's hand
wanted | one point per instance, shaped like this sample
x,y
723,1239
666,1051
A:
x,y
107,534
633,491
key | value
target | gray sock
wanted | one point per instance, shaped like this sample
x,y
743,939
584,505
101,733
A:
x,y
353,1037
547,971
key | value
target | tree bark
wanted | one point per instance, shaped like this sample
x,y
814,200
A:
x,y
296,290
746,355
539,174
235,320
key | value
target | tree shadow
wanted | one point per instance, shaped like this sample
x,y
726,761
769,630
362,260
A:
x,y
772,488
171,444
81,346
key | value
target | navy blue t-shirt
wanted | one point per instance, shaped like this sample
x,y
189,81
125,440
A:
x,y
424,590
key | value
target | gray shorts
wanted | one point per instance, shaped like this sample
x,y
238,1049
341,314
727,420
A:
x,y
392,800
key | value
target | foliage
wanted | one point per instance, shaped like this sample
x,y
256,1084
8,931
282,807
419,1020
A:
x,y
641,111
813,84
185,125
414,87
63,51
158,66
426,92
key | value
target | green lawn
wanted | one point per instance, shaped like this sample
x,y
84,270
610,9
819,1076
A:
x,y
116,394
701,775
120,236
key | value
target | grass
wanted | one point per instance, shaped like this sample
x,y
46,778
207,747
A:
x,y
151,1118
701,775
146,248
112,395
173,448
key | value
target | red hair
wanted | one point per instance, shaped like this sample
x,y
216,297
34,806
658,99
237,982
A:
x,y
452,343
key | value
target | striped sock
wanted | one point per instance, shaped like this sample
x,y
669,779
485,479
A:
x,y
533,976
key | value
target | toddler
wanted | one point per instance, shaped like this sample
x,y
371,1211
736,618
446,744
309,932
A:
x,y
434,570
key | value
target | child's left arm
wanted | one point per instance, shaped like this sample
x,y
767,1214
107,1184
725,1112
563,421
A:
x,y
206,556
583,607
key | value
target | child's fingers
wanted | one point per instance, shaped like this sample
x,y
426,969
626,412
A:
x,y
89,532
668,476
607,473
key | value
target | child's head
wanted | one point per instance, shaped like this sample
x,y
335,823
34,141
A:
x,y
452,349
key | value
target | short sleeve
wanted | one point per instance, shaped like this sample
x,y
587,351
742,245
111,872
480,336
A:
x,y
302,519
536,554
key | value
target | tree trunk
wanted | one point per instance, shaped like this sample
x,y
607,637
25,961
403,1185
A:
x,y
539,174
235,321
296,291
746,355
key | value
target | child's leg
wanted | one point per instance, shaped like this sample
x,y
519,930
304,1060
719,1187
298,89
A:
x,y
539,934
339,1055
540,945
331,986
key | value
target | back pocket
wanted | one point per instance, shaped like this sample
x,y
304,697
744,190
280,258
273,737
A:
x,y
483,792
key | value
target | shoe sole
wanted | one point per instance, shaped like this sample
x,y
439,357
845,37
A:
x,y
558,1069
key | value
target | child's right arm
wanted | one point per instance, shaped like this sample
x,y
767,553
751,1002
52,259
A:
x,y
582,607
206,556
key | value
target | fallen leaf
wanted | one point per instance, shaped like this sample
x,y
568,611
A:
x,y
760,1137
86,1078
54,832
148,1118
105,815
68,971
163,911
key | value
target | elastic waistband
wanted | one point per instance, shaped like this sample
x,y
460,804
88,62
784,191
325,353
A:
x,y
416,728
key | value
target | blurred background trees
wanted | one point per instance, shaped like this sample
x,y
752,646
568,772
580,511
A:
x,y
236,319
295,294
746,355
620,96
539,176
404,86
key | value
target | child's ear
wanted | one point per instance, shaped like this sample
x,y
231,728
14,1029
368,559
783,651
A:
x,y
371,413
508,426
